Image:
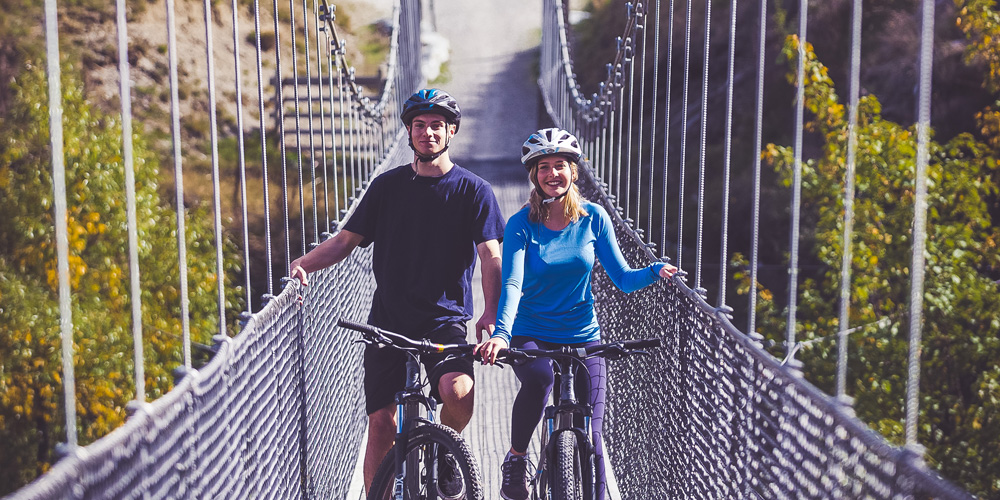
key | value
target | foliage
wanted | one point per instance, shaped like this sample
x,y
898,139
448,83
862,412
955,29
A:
x,y
31,413
980,21
959,392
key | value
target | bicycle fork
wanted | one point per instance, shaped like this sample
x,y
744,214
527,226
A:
x,y
560,418
407,413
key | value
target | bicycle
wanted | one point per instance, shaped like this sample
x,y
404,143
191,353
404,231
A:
x,y
566,463
410,469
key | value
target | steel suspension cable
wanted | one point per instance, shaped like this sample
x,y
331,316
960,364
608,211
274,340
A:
x,y
348,194
320,13
666,131
175,120
919,223
53,74
298,132
602,142
701,150
618,72
331,66
351,133
364,160
603,152
758,144
369,132
241,154
630,61
263,150
135,285
652,126
280,105
684,116
793,264
312,124
220,282
843,325
728,155
641,17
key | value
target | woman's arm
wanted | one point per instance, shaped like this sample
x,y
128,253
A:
x,y
512,266
609,253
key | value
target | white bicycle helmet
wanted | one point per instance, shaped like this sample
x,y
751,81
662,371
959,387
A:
x,y
549,141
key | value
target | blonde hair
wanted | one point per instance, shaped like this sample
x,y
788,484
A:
x,y
572,202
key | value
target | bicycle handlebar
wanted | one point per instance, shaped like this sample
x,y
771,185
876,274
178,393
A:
x,y
376,335
614,350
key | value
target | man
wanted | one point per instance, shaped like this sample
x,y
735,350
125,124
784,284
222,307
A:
x,y
428,221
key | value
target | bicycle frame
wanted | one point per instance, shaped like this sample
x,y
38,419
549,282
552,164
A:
x,y
408,403
411,471
560,417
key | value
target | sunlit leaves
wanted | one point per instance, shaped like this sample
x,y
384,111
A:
x,y
31,405
960,414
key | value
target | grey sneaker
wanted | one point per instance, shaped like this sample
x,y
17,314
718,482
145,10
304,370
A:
x,y
515,478
451,483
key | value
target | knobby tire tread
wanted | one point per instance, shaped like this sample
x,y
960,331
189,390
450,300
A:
x,y
567,469
446,439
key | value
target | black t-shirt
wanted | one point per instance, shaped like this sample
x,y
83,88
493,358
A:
x,y
425,231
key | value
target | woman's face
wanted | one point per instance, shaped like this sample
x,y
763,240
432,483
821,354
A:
x,y
555,175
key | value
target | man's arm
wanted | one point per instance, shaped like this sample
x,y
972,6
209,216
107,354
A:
x,y
325,255
489,264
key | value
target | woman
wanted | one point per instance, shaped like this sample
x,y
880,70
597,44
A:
x,y
546,299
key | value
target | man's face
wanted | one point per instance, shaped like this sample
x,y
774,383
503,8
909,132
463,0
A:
x,y
430,133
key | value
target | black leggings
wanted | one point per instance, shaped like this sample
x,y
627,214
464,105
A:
x,y
536,383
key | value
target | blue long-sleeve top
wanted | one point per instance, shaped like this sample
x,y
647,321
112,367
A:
x,y
546,290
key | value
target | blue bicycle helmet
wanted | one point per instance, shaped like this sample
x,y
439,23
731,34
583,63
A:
x,y
431,101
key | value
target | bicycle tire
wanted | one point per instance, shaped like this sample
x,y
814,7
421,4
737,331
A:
x,y
422,441
567,468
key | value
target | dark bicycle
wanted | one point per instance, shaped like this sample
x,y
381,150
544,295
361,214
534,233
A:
x,y
410,469
566,465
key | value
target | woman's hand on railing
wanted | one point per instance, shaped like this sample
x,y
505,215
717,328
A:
x,y
668,270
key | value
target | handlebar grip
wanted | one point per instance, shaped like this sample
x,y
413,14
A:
x,y
642,344
361,327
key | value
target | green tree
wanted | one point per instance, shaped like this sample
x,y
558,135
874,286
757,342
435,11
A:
x,y
31,412
960,387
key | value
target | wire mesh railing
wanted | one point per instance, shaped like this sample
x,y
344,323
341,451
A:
x,y
277,412
712,414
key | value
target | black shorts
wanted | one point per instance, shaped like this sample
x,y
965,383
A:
x,y
385,368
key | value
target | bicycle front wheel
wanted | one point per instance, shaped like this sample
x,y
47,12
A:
x,y
567,468
427,444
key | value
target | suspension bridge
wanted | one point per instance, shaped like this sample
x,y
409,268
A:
x,y
278,410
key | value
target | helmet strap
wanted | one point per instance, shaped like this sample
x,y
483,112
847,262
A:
x,y
553,199
427,158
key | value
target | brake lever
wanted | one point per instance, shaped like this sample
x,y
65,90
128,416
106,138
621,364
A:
x,y
478,358
519,358
615,352
369,339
